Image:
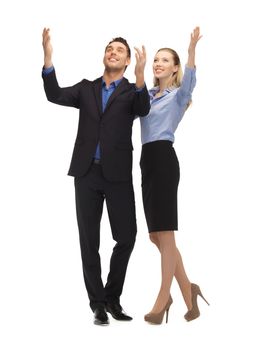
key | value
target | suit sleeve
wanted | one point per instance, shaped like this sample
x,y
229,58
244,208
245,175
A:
x,y
141,105
67,96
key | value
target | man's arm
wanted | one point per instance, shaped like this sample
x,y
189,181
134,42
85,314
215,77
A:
x,y
141,104
48,48
68,96
140,56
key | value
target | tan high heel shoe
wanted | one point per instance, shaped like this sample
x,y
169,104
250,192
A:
x,y
157,318
194,312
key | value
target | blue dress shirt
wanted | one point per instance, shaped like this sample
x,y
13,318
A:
x,y
106,93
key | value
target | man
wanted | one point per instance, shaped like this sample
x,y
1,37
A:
x,y
102,165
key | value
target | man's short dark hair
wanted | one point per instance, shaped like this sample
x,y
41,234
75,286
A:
x,y
122,41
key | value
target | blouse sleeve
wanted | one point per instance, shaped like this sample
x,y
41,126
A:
x,y
188,83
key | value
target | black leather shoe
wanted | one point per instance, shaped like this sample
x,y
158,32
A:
x,y
100,317
117,312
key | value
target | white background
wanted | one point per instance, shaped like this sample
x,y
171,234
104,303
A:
x,y
43,301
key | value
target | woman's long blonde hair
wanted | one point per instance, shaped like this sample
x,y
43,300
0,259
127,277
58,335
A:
x,y
178,75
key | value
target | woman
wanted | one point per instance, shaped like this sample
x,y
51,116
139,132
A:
x,y
170,97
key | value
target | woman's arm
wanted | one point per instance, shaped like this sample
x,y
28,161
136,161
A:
x,y
195,37
189,79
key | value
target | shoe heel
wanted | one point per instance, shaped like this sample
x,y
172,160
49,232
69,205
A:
x,y
194,312
200,294
168,308
167,313
158,318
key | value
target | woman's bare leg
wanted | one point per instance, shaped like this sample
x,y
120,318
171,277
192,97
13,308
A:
x,y
171,265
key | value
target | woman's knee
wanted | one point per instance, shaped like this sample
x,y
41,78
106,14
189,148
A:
x,y
153,237
166,238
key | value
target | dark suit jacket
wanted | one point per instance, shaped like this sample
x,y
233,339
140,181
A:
x,y
112,128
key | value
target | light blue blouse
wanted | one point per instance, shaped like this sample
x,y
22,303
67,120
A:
x,y
167,110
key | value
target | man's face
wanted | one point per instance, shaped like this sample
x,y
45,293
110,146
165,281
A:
x,y
115,58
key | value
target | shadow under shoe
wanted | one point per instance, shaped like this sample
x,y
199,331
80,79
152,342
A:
x,y
157,318
194,312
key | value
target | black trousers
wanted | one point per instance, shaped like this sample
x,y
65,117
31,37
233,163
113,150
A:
x,y
91,190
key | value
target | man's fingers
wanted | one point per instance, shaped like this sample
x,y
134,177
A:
x,y
45,32
140,53
196,30
144,50
46,36
46,39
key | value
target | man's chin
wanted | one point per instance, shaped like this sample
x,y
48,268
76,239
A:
x,y
113,69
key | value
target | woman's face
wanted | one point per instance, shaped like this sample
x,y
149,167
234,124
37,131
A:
x,y
163,65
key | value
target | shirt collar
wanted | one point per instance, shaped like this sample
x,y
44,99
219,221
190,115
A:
x,y
155,89
114,83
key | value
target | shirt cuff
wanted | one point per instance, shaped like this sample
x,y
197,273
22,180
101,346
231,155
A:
x,y
139,89
190,69
46,71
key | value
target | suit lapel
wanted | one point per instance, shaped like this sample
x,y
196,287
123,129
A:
x,y
119,89
97,87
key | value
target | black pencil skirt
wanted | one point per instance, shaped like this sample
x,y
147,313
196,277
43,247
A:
x,y
160,178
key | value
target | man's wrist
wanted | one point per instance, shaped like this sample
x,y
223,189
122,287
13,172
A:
x,y
46,71
139,88
140,82
47,63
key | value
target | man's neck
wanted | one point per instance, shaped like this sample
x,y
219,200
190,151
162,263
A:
x,y
109,77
